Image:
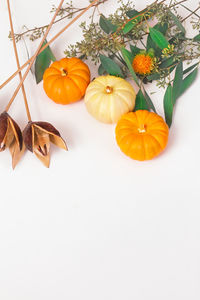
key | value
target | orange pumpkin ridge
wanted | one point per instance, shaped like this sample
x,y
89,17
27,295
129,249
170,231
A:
x,y
66,80
142,135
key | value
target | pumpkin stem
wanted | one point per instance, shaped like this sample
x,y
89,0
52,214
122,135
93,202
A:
x,y
64,72
109,89
142,128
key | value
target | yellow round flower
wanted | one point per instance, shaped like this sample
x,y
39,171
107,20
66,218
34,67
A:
x,y
143,64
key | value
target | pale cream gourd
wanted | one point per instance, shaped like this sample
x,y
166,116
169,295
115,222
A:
x,y
107,98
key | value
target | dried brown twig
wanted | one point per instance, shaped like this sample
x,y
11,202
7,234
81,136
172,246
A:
x,y
32,59
17,60
36,136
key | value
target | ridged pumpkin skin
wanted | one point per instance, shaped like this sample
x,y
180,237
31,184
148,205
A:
x,y
142,135
107,98
66,80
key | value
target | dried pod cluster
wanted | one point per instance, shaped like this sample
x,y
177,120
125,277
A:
x,y
37,135
36,138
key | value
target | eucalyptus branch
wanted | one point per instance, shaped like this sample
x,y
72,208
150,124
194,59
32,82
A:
x,y
37,32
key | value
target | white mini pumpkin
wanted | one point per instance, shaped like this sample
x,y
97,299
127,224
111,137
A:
x,y
108,97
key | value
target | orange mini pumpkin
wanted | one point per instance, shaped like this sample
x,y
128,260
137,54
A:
x,y
66,80
142,135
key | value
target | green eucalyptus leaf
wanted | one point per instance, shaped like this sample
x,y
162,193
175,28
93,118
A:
x,y
110,66
82,56
171,69
134,50
42,62
187,82
132,13
154,76
161,27
127,56
178,81
151,52
197,38
106,25
101,70
168,105
151,44
149,102
167,62
158,38
129,26
190,68
135,18
51,55
177,22
141,102
180,36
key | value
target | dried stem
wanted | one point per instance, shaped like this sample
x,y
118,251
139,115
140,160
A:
x,y
47,44
190,10
191,13
178,3
33,57
17,60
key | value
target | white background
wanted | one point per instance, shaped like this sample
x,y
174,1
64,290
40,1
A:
x,y
96,225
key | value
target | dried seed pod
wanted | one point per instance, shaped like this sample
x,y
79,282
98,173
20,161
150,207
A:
x,y
37,137
11,137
